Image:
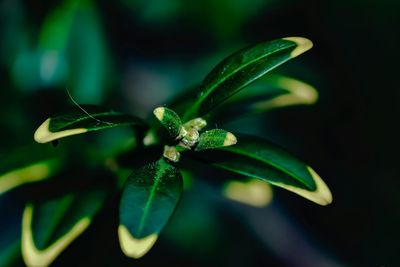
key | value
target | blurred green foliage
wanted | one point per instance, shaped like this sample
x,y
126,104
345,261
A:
x,y
115,53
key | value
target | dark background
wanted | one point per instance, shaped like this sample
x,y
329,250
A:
x,y
134,55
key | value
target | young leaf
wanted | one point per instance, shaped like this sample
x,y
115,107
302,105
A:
x,y
214,139
90,118
28,165
150,196
49,227
170,120
257,158
242,68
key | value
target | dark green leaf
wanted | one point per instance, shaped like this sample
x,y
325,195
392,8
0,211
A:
x,y
29,164
257,158
89,118
150,197
50,226
214,139
170,120
242,68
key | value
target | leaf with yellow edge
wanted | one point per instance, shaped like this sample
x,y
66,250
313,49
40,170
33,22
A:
x,y
257,158
241,69
28,165
269,93
150,196
50,226
88,118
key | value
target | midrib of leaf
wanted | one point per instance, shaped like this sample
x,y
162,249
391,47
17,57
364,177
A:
x,y
246,154
211,89
149,201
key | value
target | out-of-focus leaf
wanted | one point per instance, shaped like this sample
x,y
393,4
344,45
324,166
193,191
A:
x,y
89,62
29,164
257,158
242,68
71,52
214,139
90,118
253,192
150,196
50,226
10,230
270,92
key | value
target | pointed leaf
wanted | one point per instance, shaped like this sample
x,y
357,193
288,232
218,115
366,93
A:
x,y
150,197
214,139
49,227
272,92
242,68
257,158
29,164
90,118
170,120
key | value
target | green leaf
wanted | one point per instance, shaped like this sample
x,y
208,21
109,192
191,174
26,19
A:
x,y
257,158
170,120
214,139
29,164
270,92
242,68
88,118
50,226
150,197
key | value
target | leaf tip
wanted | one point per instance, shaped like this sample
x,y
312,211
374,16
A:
x,y
44,135
230,139
135,247
303,44
159,113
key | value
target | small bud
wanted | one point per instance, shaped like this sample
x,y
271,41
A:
x,y
171,153
191,138
197,123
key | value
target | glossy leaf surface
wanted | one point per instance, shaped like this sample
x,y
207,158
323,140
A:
x,y
150,196
170,120
241,69
89,118
257,158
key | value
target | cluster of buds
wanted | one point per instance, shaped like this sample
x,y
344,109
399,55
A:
x,y
188,135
